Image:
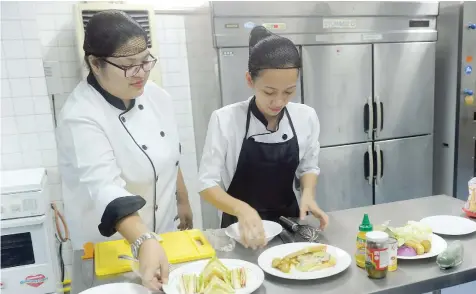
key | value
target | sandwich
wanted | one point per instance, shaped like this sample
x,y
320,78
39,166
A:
x,y
218,286
214,279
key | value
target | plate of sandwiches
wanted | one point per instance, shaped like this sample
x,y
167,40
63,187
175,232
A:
x,y
215,276
304,261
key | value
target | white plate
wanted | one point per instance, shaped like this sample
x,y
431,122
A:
x,y
438,245
343,261
271,230
118,288
254,274
450,225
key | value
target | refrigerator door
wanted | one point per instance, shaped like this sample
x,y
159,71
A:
x,y
343,182
404,169
404,81
337,83
233,64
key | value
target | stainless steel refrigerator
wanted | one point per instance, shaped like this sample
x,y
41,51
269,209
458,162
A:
x,y
368,71
455,103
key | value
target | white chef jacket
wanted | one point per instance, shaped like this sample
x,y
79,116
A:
x,y
102,157
226,131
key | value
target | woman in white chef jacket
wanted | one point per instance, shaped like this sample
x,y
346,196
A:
x,y
118,148
256,148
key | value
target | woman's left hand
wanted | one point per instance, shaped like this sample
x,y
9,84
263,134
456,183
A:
x,y
308,204
185,216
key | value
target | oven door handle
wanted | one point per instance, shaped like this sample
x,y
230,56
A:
x,y
22,222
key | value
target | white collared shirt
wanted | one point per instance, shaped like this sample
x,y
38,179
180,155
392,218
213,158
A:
x,y
101,154
226,131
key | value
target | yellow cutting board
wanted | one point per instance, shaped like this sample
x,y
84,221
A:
x,y
179,247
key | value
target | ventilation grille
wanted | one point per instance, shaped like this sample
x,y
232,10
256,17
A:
x,y
141,16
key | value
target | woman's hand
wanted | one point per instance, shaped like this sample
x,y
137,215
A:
x,y
308,204
251,227
153,265
185,215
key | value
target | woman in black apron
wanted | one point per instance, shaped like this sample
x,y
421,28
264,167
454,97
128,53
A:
x,y
262,184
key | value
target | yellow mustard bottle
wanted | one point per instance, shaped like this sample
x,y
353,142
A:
x,y
360,253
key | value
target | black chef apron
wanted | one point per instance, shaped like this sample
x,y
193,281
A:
x,y
264,176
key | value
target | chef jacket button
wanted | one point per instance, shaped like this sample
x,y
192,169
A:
x,y
144,147
156,207
123,119
285,137
162,134
156,178
176,164
141,106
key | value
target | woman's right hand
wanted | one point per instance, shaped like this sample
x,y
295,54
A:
x,y
153,265
251,227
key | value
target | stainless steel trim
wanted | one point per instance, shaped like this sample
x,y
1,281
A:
x,y
378,179
379,116
371,117
371,165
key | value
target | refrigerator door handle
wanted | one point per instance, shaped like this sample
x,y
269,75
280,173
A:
x,y
379,124
379,152
371,117
371,165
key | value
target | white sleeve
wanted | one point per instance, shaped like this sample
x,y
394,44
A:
x,y
213,155
309,162
87,163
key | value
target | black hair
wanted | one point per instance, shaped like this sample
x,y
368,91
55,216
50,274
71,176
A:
x,y
108,31
270,51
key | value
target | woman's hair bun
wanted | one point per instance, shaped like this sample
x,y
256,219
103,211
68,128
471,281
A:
x,y
257,34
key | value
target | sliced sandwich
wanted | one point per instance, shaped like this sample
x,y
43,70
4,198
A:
x,y
215,268
218,286
238,278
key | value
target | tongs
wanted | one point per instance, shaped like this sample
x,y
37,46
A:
x,y
307,232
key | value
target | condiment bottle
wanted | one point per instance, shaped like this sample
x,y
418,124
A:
x,y
376,262
364,228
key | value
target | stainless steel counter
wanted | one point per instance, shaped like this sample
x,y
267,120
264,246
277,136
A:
x,y
412,276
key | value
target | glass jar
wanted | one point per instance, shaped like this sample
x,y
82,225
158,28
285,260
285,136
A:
x,y
376,257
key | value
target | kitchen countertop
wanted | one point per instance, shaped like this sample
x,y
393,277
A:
x,y
412,276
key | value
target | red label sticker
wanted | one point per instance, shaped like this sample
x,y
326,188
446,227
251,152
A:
x,y
34,280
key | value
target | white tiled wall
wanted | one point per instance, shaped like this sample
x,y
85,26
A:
x,y
37,32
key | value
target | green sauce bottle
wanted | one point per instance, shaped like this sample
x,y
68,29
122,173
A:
x,y
364,227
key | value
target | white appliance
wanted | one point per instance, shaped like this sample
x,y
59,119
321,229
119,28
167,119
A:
x,y
29,263
143,14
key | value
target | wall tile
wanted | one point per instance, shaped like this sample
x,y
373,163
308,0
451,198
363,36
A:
x,y
45,22
12,161
10,144
17,68
23,106
10,10
29,142
32,159
6,89
38,86
42,105
29,29
6,105
35,69
32,49
50,158
11,30
25,124
20,87
13,49
47,140
44,122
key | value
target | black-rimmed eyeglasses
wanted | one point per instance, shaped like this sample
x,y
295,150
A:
x,y
133,70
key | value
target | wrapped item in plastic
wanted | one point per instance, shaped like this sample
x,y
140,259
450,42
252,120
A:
x,y
470,206
452,256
